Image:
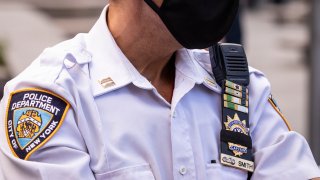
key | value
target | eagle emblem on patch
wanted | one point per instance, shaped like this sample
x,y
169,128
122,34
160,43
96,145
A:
x,y
33,117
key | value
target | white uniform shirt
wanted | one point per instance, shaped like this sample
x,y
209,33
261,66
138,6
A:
x,y
119,127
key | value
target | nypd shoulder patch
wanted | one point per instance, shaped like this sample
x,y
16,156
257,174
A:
x,y
33,117
274,104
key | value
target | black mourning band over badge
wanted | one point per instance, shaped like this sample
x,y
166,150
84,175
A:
x,y
33,117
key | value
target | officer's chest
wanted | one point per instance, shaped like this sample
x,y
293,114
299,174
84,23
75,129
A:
x,y
144,135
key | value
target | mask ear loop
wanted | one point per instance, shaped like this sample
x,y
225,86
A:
x,y
153,6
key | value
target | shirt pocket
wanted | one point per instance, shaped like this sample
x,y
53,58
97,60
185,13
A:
x,y
218,171
139,172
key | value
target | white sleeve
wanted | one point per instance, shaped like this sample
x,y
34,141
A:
x,y
278,152
63,156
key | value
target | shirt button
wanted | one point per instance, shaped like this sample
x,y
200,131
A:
x,y
174,115
183,170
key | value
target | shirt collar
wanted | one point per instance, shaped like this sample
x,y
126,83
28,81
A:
x,y
195,64
110,69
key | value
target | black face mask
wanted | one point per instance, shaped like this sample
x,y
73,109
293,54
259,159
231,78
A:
x,y
197,24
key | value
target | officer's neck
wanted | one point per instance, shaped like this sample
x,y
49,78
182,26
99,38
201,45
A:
x,y
146,42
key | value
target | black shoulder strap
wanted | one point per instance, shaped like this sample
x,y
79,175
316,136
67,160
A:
x,y
230,68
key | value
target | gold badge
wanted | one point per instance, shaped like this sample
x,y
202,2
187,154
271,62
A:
x,y
236,125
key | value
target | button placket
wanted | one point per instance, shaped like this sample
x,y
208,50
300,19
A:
x,y
183,159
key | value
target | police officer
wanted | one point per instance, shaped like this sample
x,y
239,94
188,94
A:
x,y
126,101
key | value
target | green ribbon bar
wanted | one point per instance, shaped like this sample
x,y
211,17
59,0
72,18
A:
x,y
233,92
236,107
235,100
235,86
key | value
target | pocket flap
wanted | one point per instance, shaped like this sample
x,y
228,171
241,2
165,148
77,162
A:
x,y
139,172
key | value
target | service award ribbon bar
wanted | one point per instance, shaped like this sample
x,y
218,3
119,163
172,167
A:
x,y
235,100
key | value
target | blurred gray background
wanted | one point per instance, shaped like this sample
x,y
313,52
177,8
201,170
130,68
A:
x,y
278,41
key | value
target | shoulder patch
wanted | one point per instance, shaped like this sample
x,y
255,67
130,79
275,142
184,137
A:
x,y
33,116
274,104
